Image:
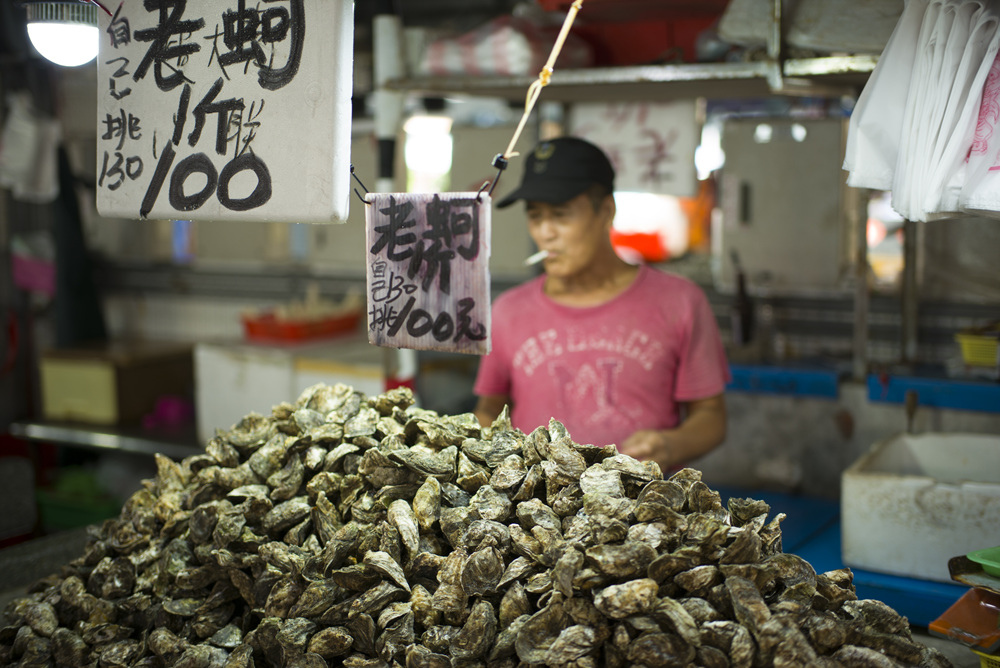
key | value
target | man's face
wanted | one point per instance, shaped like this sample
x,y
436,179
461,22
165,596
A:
x,y
572,232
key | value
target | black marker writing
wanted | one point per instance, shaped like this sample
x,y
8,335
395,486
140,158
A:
x,y
162,48
120,73
419,322
261,192
391,235
388,288
272,78
121,127
217,183
163,166
248,33
115,174
119,30
223,108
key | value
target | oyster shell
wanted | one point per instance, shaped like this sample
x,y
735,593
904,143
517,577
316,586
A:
x,y
624,600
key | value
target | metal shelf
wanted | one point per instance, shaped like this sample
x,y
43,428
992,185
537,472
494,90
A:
x,y
826,76
175,444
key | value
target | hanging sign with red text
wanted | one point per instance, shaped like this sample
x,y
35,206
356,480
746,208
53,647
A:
x,y
428,271
650,144
225,109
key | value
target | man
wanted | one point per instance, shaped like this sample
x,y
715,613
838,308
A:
x,y
617,353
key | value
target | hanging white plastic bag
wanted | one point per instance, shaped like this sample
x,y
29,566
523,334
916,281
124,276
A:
x,y
874,131
948,159
940,47
944,55
939,163
981,190
920,96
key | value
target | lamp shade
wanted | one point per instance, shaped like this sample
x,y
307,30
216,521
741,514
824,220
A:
x,y
65,33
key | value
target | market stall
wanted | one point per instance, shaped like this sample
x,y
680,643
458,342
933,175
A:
x,y
306,482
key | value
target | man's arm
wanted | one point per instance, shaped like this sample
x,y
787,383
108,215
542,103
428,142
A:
x,y
702,430
488,408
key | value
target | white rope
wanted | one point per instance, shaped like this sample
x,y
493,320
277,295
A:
x,y
535,89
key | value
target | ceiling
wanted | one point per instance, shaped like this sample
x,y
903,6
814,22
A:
x,y
459,14
13,37
21,67
450,14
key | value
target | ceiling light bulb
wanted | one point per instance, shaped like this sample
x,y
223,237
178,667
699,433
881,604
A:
x,y
65,33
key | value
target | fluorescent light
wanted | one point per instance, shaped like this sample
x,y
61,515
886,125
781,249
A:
x,y
64,33
428,144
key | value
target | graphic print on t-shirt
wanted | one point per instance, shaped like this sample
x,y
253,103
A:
x,y
588,394
586,368
633,344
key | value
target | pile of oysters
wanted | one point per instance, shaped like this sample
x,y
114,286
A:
x,y
347,530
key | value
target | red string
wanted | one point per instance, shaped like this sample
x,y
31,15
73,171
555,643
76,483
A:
x,y
96,2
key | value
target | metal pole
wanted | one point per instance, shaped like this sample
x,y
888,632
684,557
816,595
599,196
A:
x,y
908,338
775,76
387,61
859,362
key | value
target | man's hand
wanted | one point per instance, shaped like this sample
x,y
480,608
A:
x,y
488,407
702,430
650,444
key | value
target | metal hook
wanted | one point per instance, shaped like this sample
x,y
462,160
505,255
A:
x,y
479,195
500,162
360,196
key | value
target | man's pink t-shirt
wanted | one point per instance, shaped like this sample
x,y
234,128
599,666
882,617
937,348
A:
x,y
608,370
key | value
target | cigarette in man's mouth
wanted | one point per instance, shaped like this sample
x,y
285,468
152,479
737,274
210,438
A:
x,y
536,258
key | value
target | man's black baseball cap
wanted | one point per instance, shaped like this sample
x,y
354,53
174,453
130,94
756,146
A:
x,y
560,169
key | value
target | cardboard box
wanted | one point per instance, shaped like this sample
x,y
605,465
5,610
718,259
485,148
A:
x,y
916,500
113,384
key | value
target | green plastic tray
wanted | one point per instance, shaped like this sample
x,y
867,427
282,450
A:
x,y
989,559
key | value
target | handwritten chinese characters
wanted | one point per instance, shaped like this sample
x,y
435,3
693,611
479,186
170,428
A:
x,y
428,271
651,145
226,109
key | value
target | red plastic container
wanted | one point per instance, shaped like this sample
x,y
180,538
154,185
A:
x,y
266,327
972,621
640,32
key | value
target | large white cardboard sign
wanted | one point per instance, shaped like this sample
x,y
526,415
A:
x,y
651,144
225,109
428,271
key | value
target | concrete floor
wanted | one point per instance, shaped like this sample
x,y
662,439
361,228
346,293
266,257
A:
x,y
958,654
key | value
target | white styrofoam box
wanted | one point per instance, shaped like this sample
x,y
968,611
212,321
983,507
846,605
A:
x,y
364,375
234,379
914,501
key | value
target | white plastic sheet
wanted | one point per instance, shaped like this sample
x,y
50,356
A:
x,y
28,153
922,127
